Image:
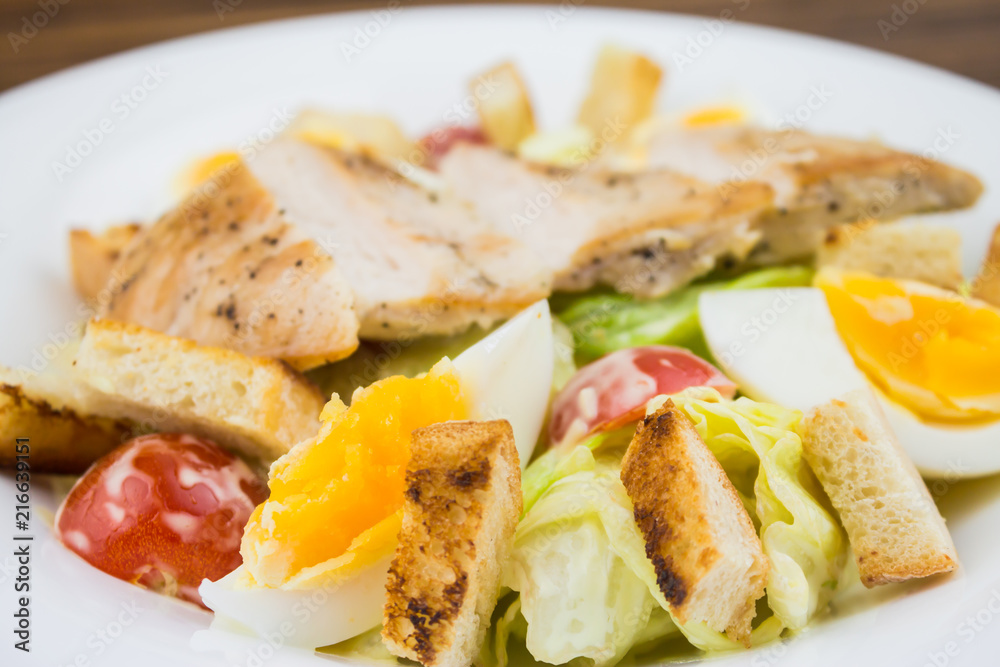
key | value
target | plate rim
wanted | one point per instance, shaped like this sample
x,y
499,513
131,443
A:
x,y
236,32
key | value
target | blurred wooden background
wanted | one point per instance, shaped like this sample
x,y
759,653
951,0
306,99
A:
x,y
959,35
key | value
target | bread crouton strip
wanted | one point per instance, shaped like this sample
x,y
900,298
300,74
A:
x,y
986,286
928,253
255,406
709,562
894,526
62,440
463,500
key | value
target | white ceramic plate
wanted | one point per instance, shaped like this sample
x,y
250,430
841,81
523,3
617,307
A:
x,y
214,91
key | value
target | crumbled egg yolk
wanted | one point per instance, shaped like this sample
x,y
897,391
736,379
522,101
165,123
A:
x,y
203,169
335,499
714,116
932,350
567,147
374,135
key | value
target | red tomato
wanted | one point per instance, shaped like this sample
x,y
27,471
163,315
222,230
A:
x,y
613,390
440,141
162,511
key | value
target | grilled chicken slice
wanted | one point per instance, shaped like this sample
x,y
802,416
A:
x,y
419,262
645,233
818,181
225,269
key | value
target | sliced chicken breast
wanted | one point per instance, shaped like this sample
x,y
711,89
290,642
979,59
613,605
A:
x,y
818,181
419,262
645,233
226,269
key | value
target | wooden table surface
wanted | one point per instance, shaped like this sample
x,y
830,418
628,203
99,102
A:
x,y
959,35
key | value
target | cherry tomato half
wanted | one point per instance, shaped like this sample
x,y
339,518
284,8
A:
x,y
613,390
162,511
439,141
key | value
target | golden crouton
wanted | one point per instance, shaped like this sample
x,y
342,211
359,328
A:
x,y
987,284
256,406
894,526
62,441
504,106
928,253
463,500
622,91
709,562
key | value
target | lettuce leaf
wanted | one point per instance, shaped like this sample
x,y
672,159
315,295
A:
x,y
760,449
368,646
586,587
588,593
603,323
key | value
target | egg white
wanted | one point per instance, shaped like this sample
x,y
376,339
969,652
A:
x,y
305,618
507,375
781,345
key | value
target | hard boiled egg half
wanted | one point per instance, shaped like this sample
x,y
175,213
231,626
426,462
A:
x,y
316,553
932,355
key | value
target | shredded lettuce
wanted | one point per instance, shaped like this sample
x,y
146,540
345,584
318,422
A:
x,y
587,591
367,647
760,449
507,622
586,587
565,365
603,323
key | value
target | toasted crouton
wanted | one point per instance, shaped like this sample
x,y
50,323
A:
x,y
895,529
92,257
928,253
986,286
622,90
62,441
710,565
255,406
50,408
504,106
463,500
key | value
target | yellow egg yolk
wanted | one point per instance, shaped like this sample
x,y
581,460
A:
x,y
337,493
714,116
203,169
934,351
